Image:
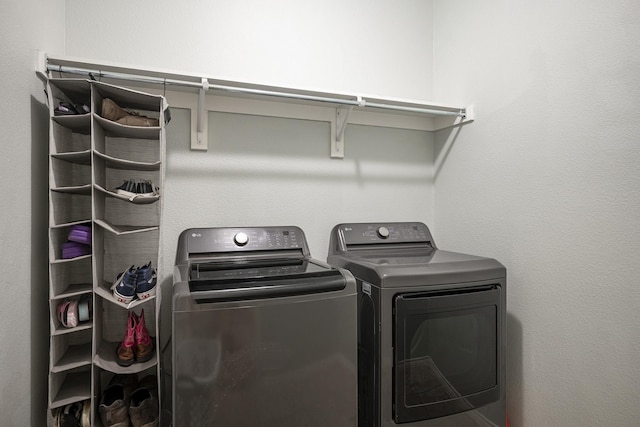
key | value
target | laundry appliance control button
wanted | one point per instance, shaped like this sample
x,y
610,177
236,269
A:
x,y
241,239
383,232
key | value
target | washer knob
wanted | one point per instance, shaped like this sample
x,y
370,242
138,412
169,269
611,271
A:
x,y
383,232
241,239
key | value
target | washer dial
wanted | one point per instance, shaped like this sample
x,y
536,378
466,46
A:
x,y
383,232
241,239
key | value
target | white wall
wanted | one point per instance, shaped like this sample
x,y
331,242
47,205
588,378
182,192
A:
x,y
547,181
377,47
24,27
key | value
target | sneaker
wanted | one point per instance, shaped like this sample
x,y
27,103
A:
x,y
146,189
112,111
124,288
146,281
127,349
144,344
144,408
128,188
132,189
69,415
114,406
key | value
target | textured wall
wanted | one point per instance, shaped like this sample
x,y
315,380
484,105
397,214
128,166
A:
x,y
547,181
379,47
24,27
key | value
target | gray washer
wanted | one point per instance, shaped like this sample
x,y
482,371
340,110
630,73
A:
x,y
263,335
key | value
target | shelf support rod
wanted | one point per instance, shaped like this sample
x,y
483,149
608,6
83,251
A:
x,y
358,102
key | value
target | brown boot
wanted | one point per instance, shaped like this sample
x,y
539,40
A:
x,y
136,120
112,111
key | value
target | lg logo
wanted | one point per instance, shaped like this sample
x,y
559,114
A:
x,y
196,235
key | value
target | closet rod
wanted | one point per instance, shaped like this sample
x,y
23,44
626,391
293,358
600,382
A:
x,y
360,102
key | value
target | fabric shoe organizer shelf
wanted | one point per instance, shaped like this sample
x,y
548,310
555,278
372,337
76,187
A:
x,y
89,156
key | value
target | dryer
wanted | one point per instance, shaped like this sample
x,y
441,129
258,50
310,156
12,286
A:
x,y
431,328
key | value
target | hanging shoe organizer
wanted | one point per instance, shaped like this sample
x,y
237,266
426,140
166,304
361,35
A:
x,y
97,232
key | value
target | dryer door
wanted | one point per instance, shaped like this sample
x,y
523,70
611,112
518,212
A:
x,y
446,352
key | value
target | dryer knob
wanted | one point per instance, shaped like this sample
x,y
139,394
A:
x,y
241,239
383,232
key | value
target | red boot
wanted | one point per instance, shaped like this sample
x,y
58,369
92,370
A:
x,y
126,350
144,343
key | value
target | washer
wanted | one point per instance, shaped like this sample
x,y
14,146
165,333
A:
x,y
432,328
263,334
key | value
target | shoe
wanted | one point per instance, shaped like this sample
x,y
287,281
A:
x,y
144,408
127,349
85,308
128,188
69,109
143,342
69,415
85,416
112,111
136,120
114,406
132,189
74,250
80,233
146,281
124,288
146,189
68,313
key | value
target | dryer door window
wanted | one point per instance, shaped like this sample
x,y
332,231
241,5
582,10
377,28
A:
x,y
446,352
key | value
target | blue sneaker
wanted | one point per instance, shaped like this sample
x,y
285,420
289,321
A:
x,y
124,288
146,281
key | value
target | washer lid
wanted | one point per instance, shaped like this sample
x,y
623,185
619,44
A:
x,y
261,278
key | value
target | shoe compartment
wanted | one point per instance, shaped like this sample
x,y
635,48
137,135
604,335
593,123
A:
x,y
119,253
138,148
70,172
109,174
62,250
70,279
133,101
76,92
71,351
69,386
70,207
58,328
71,134
122,217
110,329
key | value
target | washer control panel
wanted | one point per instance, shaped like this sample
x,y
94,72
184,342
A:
x,y
379,233
231,239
